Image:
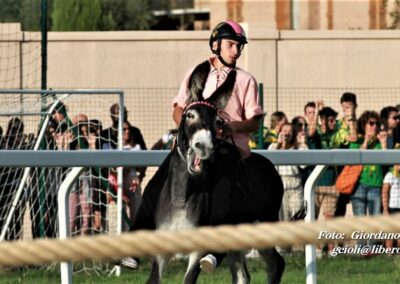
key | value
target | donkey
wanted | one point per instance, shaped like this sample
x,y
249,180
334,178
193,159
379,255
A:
x,y
194,194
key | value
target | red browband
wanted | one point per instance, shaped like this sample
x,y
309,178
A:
x,y
200,103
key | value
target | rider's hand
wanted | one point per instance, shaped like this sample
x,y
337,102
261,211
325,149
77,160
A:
x,y
229,128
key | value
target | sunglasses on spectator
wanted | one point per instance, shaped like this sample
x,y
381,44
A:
x,y
372,123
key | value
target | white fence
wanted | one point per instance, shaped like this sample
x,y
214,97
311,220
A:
x,y
321,158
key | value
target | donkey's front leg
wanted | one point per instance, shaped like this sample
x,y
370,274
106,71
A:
x,y
193,268
237,265
157,269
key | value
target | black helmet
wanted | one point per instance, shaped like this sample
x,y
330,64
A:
x,y
229,30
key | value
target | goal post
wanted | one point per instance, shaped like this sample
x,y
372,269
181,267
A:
x,y
28,194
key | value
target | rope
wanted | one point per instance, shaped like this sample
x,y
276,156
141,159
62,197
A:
x,y
220,239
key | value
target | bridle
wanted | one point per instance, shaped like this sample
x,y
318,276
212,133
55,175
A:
x,y
180,144
199,103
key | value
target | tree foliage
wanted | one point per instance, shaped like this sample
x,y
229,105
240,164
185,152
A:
x,y
395,15
9,11
26,12
76,15
125,15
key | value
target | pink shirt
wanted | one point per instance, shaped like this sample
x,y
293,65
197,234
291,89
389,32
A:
x,y
243,104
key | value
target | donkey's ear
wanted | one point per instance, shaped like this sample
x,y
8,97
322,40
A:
x,y
222,95
197,81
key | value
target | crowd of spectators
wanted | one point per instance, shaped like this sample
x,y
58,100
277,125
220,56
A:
x,y
377,189
93,190
319,127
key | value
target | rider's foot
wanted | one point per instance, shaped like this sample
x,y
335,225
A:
x,y
208,263
129,262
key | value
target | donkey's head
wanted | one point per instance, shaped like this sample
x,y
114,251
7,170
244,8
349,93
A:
x,y
196,135
200,121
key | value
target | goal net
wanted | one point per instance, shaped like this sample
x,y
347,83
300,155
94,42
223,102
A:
x,y
28,196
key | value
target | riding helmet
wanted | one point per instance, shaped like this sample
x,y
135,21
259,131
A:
x,y
228,30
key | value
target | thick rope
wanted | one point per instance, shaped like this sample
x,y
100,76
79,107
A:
x,y
220,239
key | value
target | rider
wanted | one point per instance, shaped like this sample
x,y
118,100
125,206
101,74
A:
x,y
243,111
241,114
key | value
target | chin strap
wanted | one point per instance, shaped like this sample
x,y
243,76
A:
x,y
226,64
217,52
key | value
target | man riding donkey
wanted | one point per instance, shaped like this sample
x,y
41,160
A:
x,y
240,117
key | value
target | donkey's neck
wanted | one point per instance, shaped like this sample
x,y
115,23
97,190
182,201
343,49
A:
x,y
182,185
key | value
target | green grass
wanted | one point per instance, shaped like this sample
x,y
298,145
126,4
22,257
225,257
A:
x,y
340,269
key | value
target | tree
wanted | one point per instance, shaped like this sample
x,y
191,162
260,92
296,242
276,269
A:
x,y
9,12
139,17
30,13
76,15
125,15
395,15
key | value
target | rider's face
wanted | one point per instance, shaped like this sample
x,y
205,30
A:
x,y
230,50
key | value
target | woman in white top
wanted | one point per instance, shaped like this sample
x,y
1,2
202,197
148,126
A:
x,y
293,196
391,194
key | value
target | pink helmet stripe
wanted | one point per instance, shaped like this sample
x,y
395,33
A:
x,y
236,27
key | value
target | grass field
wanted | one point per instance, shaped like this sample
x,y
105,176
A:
x,y
340,269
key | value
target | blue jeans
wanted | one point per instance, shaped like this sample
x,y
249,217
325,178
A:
x,y
366,199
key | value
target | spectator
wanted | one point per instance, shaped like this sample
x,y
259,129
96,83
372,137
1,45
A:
x,y
133,177
14,138
326,195
94,131
346,133
99,198
81,194
58,136
278,119
293,195
293,189
366,197
109,136
108,140
166,141
301,126
391,195
10,178
390,120
311,117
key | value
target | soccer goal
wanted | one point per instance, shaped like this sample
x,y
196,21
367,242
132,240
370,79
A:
x,y
65,121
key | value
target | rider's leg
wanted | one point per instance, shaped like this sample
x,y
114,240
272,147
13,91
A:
x,y
145,216
144,219
227,158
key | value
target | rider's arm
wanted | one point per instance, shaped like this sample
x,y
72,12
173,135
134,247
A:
x,y
177,114
245,126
